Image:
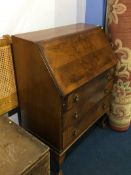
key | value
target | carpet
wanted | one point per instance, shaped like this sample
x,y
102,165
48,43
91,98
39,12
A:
x,y
100,152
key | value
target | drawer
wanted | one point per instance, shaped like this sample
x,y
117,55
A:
x,y
73,132
92,92
76,113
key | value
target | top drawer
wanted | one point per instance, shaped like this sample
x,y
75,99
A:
x,y
93,91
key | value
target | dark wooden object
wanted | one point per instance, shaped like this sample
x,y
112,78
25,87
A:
x,y
65,78
20,152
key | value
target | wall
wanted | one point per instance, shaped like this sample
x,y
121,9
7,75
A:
x,y
17,16
81,9
95,11
21,15
69,12
65,12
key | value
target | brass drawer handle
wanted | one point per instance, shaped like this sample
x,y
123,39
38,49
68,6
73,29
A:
x,y
107,91
76,98
75,132
76,116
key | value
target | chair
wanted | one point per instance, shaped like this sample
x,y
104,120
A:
x,y
8,94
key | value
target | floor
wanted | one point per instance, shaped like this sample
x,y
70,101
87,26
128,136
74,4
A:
x,y
14,118
99,152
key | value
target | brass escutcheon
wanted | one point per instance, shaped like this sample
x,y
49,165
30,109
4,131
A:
x,y
76,116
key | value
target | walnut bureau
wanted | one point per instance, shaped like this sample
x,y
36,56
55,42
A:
x,y
64,79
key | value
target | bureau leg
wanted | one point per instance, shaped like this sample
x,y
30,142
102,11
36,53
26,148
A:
x,y
103,122
58,159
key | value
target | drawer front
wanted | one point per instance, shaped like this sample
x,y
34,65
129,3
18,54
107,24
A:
x,y
75,114
92,92
73,132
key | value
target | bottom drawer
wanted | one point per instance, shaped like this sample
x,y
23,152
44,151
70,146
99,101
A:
x,y
73,132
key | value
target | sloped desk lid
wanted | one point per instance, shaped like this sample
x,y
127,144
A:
x,y
74,54
76,59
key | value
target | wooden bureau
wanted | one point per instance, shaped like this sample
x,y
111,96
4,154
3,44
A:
x,y
64,79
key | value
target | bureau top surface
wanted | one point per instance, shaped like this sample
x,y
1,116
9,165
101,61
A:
x,y
19,150
47,34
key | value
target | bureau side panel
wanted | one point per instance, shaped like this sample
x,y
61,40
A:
x,y
39,101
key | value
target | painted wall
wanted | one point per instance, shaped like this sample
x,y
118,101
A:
x,y
95,10
17,16
81,9
21,15
69,12
65,12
